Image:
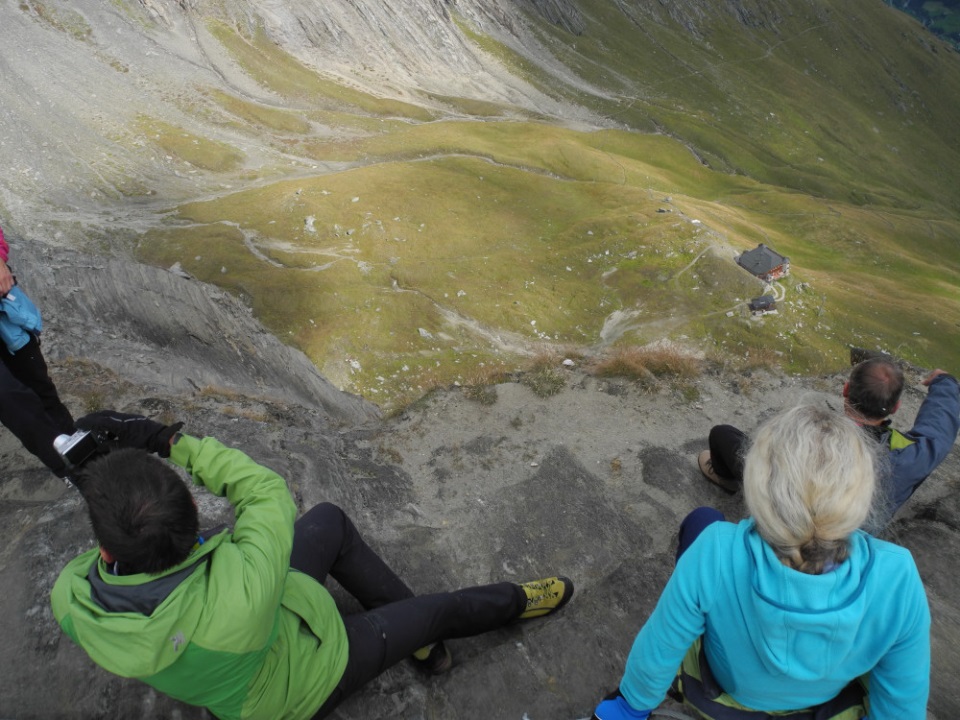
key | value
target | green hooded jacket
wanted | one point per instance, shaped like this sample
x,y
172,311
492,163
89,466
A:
x,y
232,628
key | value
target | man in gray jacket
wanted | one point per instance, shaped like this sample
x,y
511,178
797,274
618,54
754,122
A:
x,y
870,397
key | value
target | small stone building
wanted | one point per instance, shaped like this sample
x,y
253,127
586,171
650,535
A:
x,y
765,263
762,304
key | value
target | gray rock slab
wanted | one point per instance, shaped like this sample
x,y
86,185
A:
x,y
591,483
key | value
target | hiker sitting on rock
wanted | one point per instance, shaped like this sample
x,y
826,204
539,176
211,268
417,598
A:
x,y
238,621
870,396
792,611
29,405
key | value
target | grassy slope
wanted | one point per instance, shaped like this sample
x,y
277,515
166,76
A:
x,y
820,104
540,233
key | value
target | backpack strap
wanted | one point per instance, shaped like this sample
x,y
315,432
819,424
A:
x,y
697,688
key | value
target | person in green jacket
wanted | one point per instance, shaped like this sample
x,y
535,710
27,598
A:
x,y
239,621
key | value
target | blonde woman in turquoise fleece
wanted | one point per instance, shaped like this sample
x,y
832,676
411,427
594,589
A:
x,y
794,612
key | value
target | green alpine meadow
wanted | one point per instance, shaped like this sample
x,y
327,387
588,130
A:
x,y
413,240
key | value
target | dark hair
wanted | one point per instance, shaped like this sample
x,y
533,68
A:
x,y
141,511
875,387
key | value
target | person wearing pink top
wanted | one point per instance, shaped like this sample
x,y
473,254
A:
x,y
6,277
30,407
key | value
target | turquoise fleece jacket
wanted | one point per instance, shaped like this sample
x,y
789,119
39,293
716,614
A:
x,y
19,319
779,639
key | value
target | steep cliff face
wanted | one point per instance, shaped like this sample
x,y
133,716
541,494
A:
x,y
561,12
84,80
415,50
80,76
157,328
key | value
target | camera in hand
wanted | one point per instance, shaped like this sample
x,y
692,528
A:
x,y
76,449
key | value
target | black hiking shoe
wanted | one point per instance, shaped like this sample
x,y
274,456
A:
x,y
706,467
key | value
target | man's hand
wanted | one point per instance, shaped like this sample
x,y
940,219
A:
x,y
132,431
933,376
6,279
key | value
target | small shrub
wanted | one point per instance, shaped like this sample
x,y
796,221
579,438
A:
x,y
488,374
483,394
621,364
544,381
670,362
689,392
93,401
543,374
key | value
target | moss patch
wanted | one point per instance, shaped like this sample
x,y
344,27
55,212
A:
x,y
64,20
277,120
200,152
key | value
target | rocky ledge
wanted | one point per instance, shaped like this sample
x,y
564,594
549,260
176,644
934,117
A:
x,y
591,482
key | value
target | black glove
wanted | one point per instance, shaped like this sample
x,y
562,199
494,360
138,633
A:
x,y
132,431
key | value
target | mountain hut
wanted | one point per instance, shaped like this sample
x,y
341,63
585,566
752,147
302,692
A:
x,y
765,263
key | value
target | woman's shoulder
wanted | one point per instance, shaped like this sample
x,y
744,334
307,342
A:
x,y
726,533
884,561
721,539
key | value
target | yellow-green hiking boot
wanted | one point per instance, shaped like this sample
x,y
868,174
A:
x,y
546,596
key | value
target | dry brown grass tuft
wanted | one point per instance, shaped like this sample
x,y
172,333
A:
x,y
645,364
482,382
488,374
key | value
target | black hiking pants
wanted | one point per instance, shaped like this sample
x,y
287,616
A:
x,y
727,448
29,405
395,622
